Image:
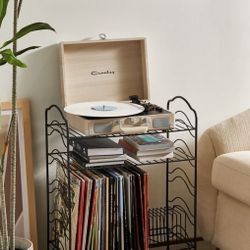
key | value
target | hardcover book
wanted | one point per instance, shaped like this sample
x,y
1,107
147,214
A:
x,y
96,146
145,155
149,142
151,157
129,147
83,162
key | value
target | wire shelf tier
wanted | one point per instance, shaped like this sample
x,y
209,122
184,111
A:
x,y
176,231
172,224
180,126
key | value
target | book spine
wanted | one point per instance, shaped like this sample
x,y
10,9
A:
x,y
80,149
127,146
129,140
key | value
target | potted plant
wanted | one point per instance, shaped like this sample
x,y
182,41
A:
x,y
10,56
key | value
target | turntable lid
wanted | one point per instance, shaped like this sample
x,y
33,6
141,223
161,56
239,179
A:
x,y
103,70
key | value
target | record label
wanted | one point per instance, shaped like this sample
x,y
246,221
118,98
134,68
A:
x,y
104,109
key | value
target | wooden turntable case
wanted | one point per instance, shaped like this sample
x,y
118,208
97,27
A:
x,y
102,70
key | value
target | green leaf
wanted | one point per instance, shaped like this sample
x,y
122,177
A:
x,y
3,9
10,58
28,29
2,61
20,52
20,3
1,6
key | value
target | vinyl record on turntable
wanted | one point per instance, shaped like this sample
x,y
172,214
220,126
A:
x,y
104,109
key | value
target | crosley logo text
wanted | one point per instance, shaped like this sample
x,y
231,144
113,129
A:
x,y
107,72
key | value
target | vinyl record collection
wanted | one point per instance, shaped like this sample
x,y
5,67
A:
x,y
109,208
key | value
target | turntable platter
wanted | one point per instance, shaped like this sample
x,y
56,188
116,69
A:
x,y
104,109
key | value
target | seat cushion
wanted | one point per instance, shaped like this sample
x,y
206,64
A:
x,y
231,175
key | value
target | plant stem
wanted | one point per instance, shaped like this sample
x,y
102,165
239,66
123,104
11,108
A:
x,y
13,138
1,241
4,236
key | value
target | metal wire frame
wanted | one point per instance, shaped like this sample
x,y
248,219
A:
x,y
169,228
176,231
181,124
179,156
181,152
62,129
192,128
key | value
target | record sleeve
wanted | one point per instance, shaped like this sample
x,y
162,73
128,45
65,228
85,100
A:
x,y
110,208
60,202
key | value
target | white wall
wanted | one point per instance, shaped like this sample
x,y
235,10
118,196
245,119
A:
x,y
197,48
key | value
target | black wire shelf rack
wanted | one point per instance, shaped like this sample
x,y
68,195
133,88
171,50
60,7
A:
x,y
172,224
176,230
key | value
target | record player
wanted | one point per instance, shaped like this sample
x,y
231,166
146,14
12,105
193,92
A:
x,y
102,76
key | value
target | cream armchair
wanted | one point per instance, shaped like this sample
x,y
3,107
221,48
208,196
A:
x,y
224,183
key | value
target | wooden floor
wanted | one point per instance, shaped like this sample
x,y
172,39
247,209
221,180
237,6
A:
x,y
205,246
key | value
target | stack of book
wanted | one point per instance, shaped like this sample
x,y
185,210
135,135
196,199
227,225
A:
x,y
98,151
109,208
147,147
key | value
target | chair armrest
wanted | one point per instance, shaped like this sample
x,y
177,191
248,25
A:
x,y
207,194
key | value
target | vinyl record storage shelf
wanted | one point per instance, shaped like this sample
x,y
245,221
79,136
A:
x,y
173,224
